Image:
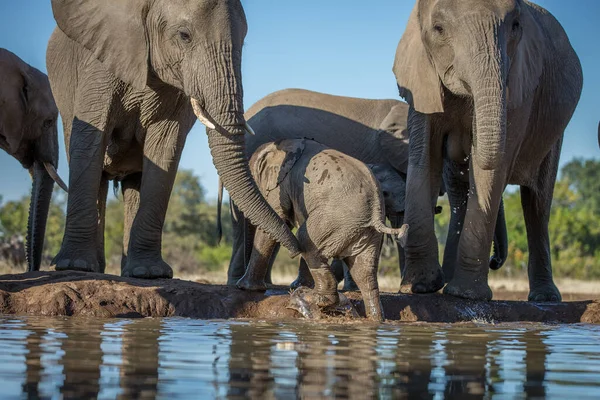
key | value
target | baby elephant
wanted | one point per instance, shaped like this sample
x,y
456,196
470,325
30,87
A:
x,y
336,203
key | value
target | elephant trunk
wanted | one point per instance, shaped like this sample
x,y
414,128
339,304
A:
x,y
41,195
224,116
488,85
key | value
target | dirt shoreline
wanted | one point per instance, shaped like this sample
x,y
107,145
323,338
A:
x,y
97,295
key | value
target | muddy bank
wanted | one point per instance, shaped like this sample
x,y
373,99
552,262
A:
x,y
79,294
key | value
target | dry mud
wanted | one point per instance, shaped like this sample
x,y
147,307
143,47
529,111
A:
x,y
85,294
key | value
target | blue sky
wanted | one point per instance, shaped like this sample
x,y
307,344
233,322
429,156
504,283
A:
x,y
343,47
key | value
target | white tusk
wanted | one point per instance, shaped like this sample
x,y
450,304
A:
x,y
54,175
249,129
201,114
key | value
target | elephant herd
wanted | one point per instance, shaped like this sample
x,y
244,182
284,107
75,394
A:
x,y
490,88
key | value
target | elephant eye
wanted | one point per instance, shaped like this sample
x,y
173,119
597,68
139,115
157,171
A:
x,y
438,28
386,193
516,25
48,123
185,36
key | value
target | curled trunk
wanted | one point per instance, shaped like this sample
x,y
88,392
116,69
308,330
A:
x,y
228,151
41,195
225,111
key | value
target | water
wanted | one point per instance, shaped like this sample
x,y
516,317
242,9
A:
x,y
174,358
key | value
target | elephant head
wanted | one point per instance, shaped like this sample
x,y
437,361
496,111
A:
x,y
196,47
272,162
393,189
487,50
28,133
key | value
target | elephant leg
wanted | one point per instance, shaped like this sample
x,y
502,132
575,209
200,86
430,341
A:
x,y
500,245
237,264
363,268
268,278
102,194
337,266
396,222
325,292
304,277
130,186
79,250
472,269
536,204
456,177
254,278
423,273
349,282
162,150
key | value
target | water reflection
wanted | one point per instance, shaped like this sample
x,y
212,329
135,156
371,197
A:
x,y
75,358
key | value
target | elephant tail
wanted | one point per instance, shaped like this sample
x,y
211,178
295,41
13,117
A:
x,y
219,206
398,234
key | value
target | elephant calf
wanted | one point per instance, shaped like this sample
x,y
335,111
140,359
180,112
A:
x,y
336,203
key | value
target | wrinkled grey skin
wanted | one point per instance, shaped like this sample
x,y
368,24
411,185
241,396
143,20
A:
x,y
130,78
372,131
497,81
336,204
28,132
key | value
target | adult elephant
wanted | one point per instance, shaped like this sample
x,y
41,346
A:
x,y
130,77
28,133
497,82
372,131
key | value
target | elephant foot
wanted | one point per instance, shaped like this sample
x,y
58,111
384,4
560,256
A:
x,y
303,281
425,279
350,286
253,285
547,292
470,289
313,305
233,280
147,269
77,261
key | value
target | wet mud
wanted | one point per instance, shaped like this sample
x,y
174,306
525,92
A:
x,y
97,295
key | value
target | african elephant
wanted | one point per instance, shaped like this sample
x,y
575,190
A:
x,y
372,131
335,202
491,86
130,78
28,132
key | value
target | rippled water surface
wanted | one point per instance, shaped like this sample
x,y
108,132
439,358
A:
x,y
169,358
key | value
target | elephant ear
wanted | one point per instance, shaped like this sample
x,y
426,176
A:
x,y
15,100
113,30
276,160
393,137
418,82
526,65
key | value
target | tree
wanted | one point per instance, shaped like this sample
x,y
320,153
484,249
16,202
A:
x,y
583,177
